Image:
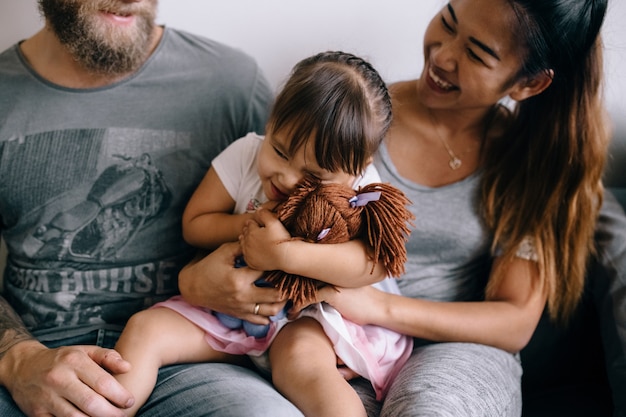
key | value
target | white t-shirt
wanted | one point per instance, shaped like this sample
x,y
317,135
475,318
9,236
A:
x,y
236,167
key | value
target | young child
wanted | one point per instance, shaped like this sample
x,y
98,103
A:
x,y
326,123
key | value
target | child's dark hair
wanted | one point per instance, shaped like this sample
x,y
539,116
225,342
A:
x,y
341,100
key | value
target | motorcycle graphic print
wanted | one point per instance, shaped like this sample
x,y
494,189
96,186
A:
x,y
124,198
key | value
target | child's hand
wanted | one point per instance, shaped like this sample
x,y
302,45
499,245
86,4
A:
x,y
264,242
269,205
345,372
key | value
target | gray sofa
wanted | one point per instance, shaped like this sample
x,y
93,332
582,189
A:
x,y
580,370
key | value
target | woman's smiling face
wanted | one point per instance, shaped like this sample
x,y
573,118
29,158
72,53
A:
x,y
471,55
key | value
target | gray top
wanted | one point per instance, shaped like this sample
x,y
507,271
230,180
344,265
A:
x,y
448,250
94,181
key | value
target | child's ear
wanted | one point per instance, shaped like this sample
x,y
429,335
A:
x,y
532,86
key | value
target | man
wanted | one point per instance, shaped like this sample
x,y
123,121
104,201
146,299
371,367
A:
x,y
107,124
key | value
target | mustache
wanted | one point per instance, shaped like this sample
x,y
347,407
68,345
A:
x,y
144,8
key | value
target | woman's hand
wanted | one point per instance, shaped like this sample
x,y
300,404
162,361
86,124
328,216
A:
x,y
265,242
359,305
213,282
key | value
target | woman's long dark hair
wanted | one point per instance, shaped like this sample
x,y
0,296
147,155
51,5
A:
x,y
543,177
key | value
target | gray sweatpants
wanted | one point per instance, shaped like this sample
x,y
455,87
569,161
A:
x,y
452,380
439,380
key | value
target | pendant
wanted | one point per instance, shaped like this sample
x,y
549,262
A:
x,y
454,163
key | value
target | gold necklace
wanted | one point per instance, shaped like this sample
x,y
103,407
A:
x,y
455,162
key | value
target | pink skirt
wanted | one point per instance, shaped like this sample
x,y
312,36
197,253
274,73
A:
x,y
373,352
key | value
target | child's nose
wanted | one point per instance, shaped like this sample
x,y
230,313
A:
x,y
290,178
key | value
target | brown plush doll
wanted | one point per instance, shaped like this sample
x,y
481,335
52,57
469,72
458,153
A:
x,y
333,213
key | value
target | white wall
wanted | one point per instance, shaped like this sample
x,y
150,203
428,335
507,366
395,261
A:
x,y
278,33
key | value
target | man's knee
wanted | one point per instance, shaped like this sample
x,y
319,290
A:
x,y
215,389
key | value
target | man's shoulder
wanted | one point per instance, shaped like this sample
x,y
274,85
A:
x,y
9,59
205,48
13,73
8,51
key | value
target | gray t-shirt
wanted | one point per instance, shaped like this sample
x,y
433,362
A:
x,y
448,250
94,182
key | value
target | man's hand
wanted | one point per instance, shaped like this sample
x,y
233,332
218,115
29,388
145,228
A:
x,y
67,381
213,282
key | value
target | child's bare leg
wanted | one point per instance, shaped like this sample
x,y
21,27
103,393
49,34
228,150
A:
x,y
304,369
157,337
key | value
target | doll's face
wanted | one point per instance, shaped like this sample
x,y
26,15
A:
x,y
280,172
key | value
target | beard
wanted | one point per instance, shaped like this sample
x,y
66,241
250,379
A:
x,y
98,46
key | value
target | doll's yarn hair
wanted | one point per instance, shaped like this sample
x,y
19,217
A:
x,y
333,213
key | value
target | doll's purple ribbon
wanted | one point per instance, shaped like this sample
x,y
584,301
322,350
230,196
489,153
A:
x,y
362,199
323,233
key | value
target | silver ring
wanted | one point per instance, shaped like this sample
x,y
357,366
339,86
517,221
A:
x,y
256,308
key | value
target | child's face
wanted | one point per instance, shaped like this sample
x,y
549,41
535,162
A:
x,y
280,172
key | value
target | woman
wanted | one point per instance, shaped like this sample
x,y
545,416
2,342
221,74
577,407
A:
x,y
505,200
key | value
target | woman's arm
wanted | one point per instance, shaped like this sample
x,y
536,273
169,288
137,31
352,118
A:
x,y
208,220
507,320
268,246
